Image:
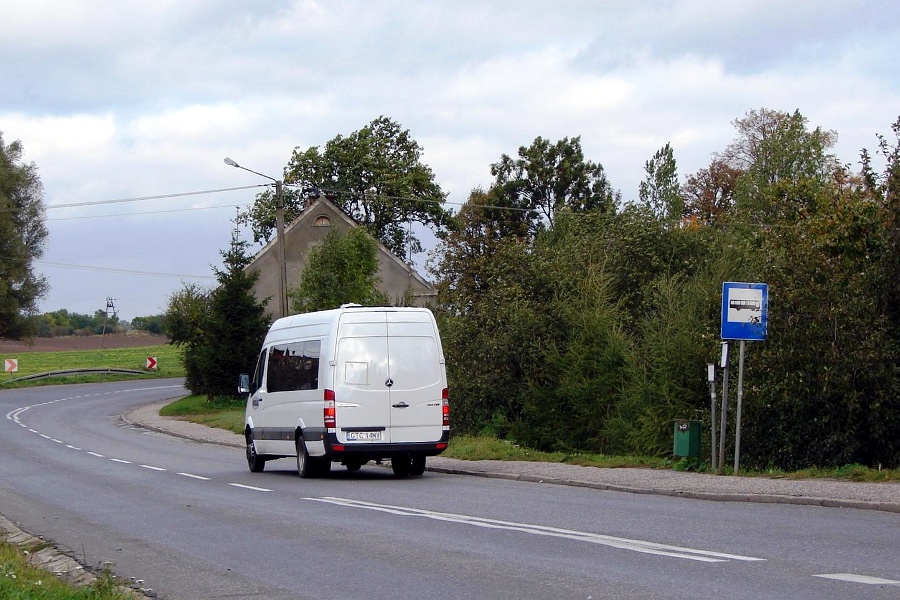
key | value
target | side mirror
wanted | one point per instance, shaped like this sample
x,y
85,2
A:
x,y
244,384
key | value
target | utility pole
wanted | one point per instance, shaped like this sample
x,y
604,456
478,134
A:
x,y
279,240
110,308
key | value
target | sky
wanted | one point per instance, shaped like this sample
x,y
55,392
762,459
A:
x,y
128,108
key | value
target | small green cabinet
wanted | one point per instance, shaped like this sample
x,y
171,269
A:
x,y
687,438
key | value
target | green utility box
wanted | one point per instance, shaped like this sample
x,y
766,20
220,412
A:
x,y
687,438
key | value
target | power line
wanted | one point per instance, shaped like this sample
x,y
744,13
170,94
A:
x,y
152,212
121,271
157,197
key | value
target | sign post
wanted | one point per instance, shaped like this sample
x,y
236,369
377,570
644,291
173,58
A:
x,y
711,377
745,317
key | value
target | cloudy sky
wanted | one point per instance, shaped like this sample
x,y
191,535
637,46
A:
x,y
121,100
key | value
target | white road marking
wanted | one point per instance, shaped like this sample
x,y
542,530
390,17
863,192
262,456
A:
x,y
119,460
593,538
200,477
153,468
250,487
96,454
70,446
853,578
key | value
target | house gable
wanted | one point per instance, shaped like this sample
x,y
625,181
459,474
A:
x,y
308,231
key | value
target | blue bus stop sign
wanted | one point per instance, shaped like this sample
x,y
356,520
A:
x,y
745,310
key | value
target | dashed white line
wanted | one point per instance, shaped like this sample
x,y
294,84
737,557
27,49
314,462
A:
x,y
119,460
71,447
249,487
853,578
200,477
152,468
96,454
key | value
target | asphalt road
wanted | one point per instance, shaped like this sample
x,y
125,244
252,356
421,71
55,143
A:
x,y
193,523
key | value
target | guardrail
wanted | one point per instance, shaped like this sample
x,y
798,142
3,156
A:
x,y
64,372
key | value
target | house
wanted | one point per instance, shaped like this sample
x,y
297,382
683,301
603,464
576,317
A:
x,y
398,280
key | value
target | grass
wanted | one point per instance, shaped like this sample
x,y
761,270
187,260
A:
x,y
30,363
222,413
466,447
21,581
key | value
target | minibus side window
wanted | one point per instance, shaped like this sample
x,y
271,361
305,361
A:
x,y
293,366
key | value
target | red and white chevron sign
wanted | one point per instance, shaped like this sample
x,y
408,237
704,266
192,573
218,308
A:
x,y
12,365
151,363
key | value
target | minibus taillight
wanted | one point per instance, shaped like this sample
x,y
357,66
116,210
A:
x,y
330,412
445,407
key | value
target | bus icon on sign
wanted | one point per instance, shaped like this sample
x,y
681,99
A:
x,y
743,304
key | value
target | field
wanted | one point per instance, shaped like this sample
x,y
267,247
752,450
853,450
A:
x,y
119,351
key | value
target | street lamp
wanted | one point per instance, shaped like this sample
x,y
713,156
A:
x,y
279,227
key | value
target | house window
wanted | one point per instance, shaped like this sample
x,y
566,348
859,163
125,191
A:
x,y
323,221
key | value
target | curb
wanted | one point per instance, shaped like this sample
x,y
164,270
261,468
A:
x,y
692,495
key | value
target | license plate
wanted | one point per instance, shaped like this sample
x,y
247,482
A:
x,y
364,436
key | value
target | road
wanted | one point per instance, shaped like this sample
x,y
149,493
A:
x,y
192,522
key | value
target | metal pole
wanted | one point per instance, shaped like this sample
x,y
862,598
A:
x,y
712,418
282,266
740,399
722,427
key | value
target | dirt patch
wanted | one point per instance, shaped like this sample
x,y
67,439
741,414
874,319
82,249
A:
x,y
82,342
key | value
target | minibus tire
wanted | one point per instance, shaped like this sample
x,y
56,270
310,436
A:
x,y
400,465
305,466
255,462
417,465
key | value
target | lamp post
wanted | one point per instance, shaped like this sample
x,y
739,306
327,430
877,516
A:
x,y
279,241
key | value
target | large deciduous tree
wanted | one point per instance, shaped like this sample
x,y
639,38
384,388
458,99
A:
x,y
23,236
375,174
547,178
708,194
785,165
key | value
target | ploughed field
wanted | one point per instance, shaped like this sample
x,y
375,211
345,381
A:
x,y
82,342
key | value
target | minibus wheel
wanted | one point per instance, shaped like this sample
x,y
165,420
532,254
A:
x,y
417,466
256,463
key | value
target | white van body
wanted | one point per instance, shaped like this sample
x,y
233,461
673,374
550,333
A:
x,y
349,385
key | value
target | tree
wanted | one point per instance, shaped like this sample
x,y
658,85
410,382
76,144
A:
x,y
151,323
23,236
547,178
708,195
659,190
219,331
785,166
375,174
343,269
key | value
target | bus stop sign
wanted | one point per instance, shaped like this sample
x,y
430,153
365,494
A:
x,y
745,310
